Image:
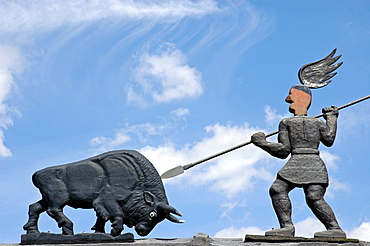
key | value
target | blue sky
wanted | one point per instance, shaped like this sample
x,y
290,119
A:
x,y
179,81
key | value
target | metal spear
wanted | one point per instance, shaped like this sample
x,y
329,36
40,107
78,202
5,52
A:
x,y
181,169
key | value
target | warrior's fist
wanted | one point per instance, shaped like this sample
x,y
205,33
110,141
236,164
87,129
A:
x,y
258,137
330,111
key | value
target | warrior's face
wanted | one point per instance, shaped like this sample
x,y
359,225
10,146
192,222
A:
x,y
299,101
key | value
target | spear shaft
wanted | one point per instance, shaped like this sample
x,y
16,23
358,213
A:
x,y
180,169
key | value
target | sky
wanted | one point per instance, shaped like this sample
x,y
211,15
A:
x,y
180,81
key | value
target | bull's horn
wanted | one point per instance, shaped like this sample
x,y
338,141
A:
x,y
172,218
168,208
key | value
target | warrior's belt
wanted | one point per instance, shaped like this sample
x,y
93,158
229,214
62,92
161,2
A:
x,y
305,151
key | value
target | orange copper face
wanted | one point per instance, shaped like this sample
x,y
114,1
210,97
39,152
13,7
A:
x,y
299,101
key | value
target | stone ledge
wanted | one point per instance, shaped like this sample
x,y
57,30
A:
x,y
204,239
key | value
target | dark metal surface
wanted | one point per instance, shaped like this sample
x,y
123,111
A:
x,y
121,186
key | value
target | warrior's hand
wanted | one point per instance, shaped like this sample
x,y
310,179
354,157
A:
x,y
330,111
258,137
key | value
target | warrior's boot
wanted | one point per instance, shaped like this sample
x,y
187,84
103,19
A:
x,y
283,210
326,215
334,233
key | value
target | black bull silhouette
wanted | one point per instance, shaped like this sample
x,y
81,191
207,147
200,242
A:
x,y
121,186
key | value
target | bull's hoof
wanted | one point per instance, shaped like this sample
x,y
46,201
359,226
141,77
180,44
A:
x,y
98,230
32,231
67,231
115,232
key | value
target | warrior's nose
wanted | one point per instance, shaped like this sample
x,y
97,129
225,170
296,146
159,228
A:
x,y
288,99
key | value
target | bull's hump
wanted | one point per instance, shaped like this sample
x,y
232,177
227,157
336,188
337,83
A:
x,y
137,166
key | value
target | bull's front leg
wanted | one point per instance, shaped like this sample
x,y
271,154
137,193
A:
x,y
117,226
107,207
99,226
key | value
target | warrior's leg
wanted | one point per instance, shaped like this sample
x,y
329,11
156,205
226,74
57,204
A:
x,y
34,212
322,210
280,200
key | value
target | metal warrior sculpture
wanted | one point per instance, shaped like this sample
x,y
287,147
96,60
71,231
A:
x,y
300,137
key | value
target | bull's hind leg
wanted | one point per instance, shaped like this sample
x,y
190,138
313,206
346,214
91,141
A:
x,y
56,212
34,212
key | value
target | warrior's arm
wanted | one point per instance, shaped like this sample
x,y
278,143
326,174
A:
x,y
329,130
280,149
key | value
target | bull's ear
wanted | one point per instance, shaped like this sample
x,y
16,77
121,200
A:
x,y
149,198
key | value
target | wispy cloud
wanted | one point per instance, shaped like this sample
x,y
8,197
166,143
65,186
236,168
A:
x,y
233,232
165,76
352,122
141,132
11,62
19,16
272,118
330,159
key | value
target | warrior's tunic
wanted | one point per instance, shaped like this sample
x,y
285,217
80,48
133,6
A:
x,y
300,136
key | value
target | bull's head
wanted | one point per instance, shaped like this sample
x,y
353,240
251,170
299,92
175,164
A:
x,y
154,213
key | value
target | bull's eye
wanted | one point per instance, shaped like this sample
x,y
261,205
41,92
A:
x,y
152,214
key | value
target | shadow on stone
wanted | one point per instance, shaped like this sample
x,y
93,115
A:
x,y
51,238
272,239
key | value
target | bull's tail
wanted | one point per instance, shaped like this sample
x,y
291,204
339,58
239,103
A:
x,y
35,180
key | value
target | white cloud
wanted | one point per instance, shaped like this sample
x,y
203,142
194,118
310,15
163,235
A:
x,y
229,174
304,228
336,186
362,232
308,227
4,151
166,156
18,16
271,117
164,76
330,159
181,112
232,232
11,62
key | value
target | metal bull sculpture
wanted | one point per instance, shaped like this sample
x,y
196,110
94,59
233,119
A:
x,y
121,186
